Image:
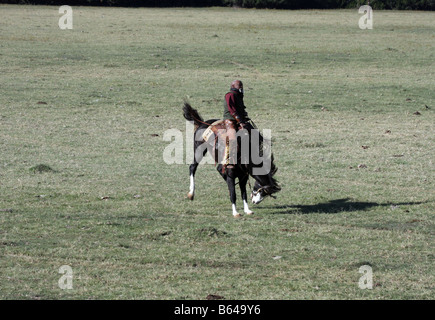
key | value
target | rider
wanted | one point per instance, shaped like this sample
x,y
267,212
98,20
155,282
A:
x,y
234,115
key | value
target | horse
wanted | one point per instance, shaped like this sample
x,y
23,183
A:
x,y
265,184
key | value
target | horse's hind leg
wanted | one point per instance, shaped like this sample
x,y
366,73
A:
x,y
192,170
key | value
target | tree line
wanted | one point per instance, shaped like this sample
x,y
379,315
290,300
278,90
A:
x,y
260,4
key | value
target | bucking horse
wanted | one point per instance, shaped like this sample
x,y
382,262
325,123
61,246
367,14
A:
x,y
254,159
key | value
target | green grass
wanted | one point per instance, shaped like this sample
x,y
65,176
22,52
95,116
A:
x,y
83,182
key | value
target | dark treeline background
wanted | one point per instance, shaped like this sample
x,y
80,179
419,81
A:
x,y
272,4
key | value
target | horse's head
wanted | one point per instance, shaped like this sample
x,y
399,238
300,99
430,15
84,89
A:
x,y
260,192
263,168
265,185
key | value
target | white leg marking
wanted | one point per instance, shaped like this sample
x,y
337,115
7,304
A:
x,y
235,213
246,208
191,193
192,185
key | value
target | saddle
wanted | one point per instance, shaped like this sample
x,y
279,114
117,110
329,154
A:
x,y
217,129
214,133
217,132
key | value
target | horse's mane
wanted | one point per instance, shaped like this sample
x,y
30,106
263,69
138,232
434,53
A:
x,y
268,181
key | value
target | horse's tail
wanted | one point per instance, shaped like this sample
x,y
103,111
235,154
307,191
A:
x,y
191,114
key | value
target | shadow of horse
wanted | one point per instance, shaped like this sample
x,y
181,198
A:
x,y
334,206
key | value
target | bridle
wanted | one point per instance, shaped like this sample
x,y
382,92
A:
x,y
265,191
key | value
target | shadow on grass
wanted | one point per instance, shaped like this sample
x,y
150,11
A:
x,y
335,206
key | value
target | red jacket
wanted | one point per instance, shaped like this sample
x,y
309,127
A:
x,y
234,106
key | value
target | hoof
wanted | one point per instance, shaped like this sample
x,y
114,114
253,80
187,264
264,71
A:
x,y
238,215
250,213
190,196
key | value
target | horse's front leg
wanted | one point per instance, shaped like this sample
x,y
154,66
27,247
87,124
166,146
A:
x,y
232,189
242,183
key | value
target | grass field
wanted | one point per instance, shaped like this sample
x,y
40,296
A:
x,y
82,178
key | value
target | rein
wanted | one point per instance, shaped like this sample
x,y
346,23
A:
x,y
262,188
265,191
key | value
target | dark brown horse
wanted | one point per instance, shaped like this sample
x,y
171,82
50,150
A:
x,y
245,166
